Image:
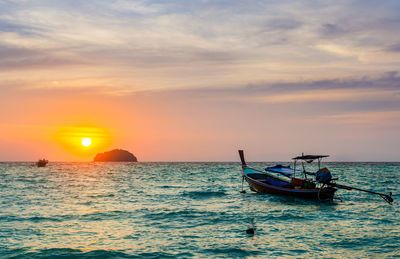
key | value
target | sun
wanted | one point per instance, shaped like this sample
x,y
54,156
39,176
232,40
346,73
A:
x,y
86,142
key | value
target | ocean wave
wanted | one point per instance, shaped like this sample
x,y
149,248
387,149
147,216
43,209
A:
x,y
179,219
94,216
101,195
105,215
178,214
229,252
77,253
203,194
32,219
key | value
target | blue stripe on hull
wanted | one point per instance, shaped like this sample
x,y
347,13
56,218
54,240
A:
x,y
315,191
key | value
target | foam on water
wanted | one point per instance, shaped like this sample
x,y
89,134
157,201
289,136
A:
x,y
188,210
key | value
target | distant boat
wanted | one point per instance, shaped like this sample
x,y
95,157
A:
x,y
42,162
285,180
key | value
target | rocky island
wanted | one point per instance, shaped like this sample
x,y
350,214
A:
x,y
116,155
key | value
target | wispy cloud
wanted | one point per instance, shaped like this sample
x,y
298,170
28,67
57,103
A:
x,y
378,118
387,83
174,44
335,95
393,48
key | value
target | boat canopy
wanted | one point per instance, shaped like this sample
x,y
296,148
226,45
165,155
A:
x,y
309,157
283,170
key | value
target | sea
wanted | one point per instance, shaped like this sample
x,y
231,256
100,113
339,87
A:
x,y
190,210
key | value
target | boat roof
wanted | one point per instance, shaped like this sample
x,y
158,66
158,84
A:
x,y
309,157
283,170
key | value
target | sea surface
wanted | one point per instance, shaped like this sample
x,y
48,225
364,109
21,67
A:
x,y
185,210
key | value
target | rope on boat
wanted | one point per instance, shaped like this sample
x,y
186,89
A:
x,y
322,186
243,191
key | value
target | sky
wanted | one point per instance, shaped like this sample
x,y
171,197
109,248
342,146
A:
x,y
198,80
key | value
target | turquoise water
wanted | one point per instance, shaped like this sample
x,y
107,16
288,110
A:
x,y
185,210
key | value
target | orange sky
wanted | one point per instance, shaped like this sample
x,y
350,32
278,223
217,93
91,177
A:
x,y
171,81
187,126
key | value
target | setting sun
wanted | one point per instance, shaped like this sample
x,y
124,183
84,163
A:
x,y
83,141
86,142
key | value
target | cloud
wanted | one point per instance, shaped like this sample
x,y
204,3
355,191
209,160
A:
x,y
22,58
283,24
25,30
393,48
386,81
335,95
370,118
338,50
7,52
332,30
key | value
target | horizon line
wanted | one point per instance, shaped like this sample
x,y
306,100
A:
x,y
276,161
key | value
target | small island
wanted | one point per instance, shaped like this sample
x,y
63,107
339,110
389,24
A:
x,y
116,155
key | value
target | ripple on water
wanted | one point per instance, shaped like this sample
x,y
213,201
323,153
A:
x,y
77,253
203,194
180,218
231,251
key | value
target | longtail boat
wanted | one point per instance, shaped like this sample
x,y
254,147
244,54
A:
x,y
285,180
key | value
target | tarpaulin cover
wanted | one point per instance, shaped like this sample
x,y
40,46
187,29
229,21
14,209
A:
x,y
283,170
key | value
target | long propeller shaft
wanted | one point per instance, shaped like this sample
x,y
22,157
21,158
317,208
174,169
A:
x,y
387,198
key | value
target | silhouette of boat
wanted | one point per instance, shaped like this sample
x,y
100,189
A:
x,y
42,162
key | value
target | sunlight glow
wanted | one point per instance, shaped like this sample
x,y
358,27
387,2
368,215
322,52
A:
x,y
86,142
83,141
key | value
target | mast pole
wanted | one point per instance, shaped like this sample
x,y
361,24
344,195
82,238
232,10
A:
x,y
319,163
